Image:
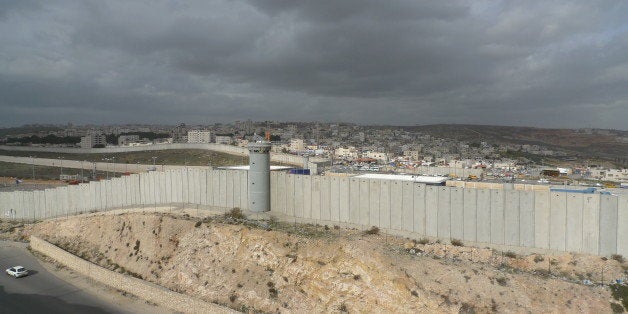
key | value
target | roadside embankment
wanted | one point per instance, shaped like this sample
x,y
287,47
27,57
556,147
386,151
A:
x,y
142,289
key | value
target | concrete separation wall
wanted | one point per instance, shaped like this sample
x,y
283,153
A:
x,y
140,288
593,224
228,149
586,223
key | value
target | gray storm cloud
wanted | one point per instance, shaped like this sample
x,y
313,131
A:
x,y
549,63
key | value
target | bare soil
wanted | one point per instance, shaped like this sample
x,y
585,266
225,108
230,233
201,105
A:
x,y
270,266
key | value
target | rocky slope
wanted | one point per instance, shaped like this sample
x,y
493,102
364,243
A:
x,y
278,267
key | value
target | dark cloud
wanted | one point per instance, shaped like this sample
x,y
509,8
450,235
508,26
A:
x,y
553,64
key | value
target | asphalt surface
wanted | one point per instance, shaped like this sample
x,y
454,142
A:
x,y
41,291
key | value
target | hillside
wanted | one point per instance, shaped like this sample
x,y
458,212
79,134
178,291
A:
x,y
271,266
590,143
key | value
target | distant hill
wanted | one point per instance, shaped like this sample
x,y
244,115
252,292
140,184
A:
x,y
611,144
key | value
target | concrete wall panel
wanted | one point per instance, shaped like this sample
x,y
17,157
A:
x,y
230,191
396,198
325,198
497,216
307,196
281,192
384,204
419,208
373,199
364,204
354,200
407,206
526,218
316,197
622,227
274,190
334,201
298,196
290,199
483,231
575,202
444,212
542,219
244,189
457,213
343,196
558,220
470,212
608,224
431,211
591,224
222,195
511,217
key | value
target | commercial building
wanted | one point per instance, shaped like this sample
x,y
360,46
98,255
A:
x,y
93,140
199,136
223,139
179,134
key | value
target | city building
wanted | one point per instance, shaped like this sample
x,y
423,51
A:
x,y
223,139
179,134
93,140
297,144
199,136
126,140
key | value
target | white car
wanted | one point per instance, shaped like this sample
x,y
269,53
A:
x,y
17,271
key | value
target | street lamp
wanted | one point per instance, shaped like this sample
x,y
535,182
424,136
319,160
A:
x,y
33,165
61,164
154,158
106,167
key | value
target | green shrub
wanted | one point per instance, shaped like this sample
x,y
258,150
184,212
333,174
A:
x,y
510,254
618,258
456,242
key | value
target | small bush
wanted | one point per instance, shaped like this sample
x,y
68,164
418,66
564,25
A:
x,y
502,281
235,213
456,242
357,277
343,308
414,293
538,258
233,297
423,241
372,230
273,293
198,224
617,308
466,308
510,254
618,258
620,293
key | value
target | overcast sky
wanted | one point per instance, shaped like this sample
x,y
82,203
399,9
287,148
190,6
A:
x,y
537,63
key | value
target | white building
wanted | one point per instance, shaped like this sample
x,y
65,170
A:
x,y
297,144
382,157
223,139
199,136
93,140
349,152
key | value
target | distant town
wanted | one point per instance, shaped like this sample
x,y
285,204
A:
x,y
351,148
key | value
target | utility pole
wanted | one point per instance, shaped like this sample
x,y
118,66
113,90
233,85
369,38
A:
x,y
33,165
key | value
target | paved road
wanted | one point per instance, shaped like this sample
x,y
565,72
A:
x,y
42,292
